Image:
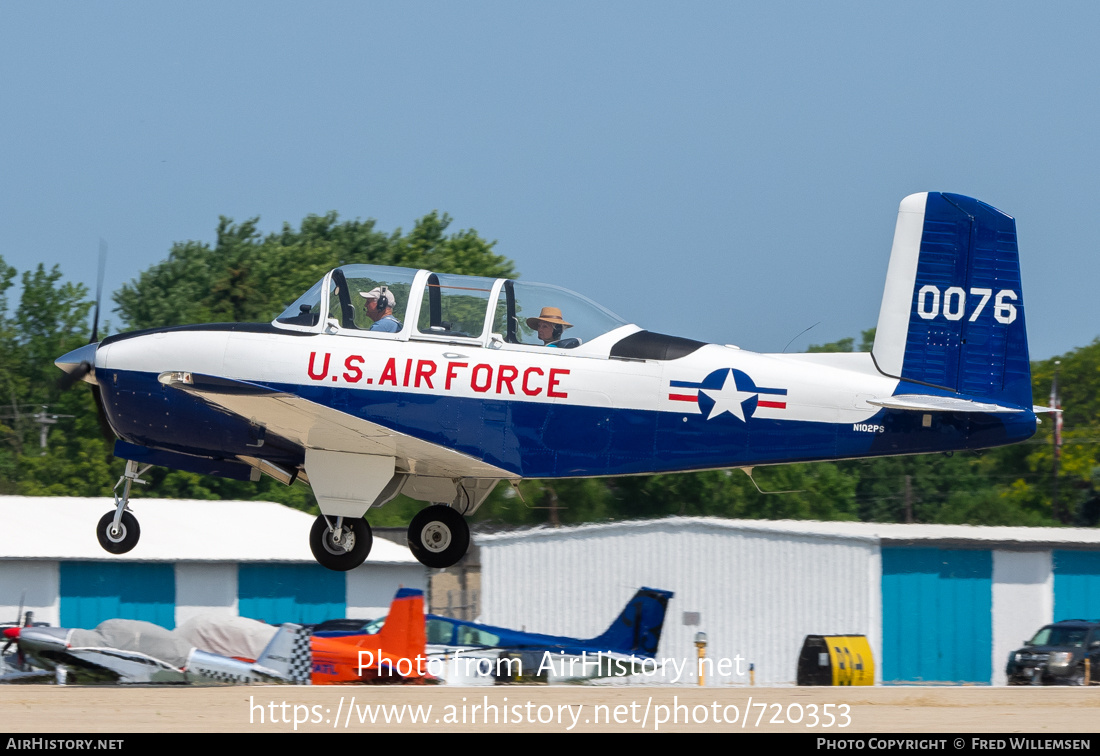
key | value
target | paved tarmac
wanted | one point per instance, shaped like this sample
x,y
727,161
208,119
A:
x,y
924,710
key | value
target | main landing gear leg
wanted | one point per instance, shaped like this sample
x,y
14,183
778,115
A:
x,y
118,531
438,536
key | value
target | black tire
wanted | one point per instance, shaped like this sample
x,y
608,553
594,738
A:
x,y
438,536
123,541
1078,676
334,555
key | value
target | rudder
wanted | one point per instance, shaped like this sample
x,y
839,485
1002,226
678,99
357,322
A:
x,y
288,654
403,635
952,313
637,629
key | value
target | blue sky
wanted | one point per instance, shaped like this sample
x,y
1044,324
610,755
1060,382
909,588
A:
x,y
728,171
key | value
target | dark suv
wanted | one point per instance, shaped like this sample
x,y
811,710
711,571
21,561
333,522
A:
x,y
1059,654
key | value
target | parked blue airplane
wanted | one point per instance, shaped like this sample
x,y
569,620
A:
x,y
635,633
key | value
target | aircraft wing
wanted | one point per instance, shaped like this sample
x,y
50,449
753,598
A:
x,y
929,403
30,677
315,426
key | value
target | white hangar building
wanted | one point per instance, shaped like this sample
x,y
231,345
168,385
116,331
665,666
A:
x,y
938,603
247,558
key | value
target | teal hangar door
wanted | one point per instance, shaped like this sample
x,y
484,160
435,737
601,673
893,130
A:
x,y
95,591
937,616
301,593
1076,585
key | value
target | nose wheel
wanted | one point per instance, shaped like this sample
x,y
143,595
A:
x,y
340,543
118,531
121,538
438,536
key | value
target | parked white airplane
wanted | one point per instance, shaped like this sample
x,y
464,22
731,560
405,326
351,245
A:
x,y
132,651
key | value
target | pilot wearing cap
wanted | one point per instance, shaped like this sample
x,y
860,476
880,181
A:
x,y
549,325
379,308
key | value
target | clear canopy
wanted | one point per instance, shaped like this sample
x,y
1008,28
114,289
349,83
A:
x,y
573,319
428,305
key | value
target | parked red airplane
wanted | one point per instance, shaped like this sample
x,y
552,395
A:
x,y
396,653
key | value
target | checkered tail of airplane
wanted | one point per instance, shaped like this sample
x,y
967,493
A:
x,y
286,659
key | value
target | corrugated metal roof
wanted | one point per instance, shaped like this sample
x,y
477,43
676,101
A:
x,y
47,527
877,532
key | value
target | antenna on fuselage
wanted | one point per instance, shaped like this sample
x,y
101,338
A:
x,y
815,325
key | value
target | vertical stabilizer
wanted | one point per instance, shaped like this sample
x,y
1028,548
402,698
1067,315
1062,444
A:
x,y
403,636
288,655
637,629
952,313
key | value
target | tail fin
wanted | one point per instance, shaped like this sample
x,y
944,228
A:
x,y
403,635
287,655
952,313
637,629
286,659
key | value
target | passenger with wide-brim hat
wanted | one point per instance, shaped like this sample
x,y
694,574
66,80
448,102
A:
x,y
549,325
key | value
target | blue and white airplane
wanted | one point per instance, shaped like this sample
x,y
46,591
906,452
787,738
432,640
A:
x,y
471,381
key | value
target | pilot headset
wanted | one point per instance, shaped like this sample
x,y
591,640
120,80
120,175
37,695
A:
x,y
384,299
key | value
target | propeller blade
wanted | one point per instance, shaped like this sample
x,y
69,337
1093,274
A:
x,y
99,289
79,364
12,635
66,381
101,415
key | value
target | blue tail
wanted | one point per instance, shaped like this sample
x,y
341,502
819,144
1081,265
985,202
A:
x,y
952,314
637,629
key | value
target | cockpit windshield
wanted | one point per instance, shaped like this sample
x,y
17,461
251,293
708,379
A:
x,y
305,310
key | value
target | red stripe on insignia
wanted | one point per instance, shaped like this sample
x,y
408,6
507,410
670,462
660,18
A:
x,y
683,397
773,405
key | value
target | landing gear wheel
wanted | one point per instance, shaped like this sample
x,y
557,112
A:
x,y
346,552
438,536
122,540
1078,676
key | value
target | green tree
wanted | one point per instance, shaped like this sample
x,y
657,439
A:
x,y
867,340
841,345
248,277
52,318
11,442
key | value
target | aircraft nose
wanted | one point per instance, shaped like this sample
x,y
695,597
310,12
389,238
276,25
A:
x,y
79,363
43,637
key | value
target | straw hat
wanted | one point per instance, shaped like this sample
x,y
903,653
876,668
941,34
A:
x,y
549,315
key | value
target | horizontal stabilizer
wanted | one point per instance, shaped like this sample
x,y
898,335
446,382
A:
x,y
926,403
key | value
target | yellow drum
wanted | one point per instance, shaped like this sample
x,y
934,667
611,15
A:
x,y
836,660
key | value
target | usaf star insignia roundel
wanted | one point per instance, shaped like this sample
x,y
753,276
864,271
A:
x,y
728,391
